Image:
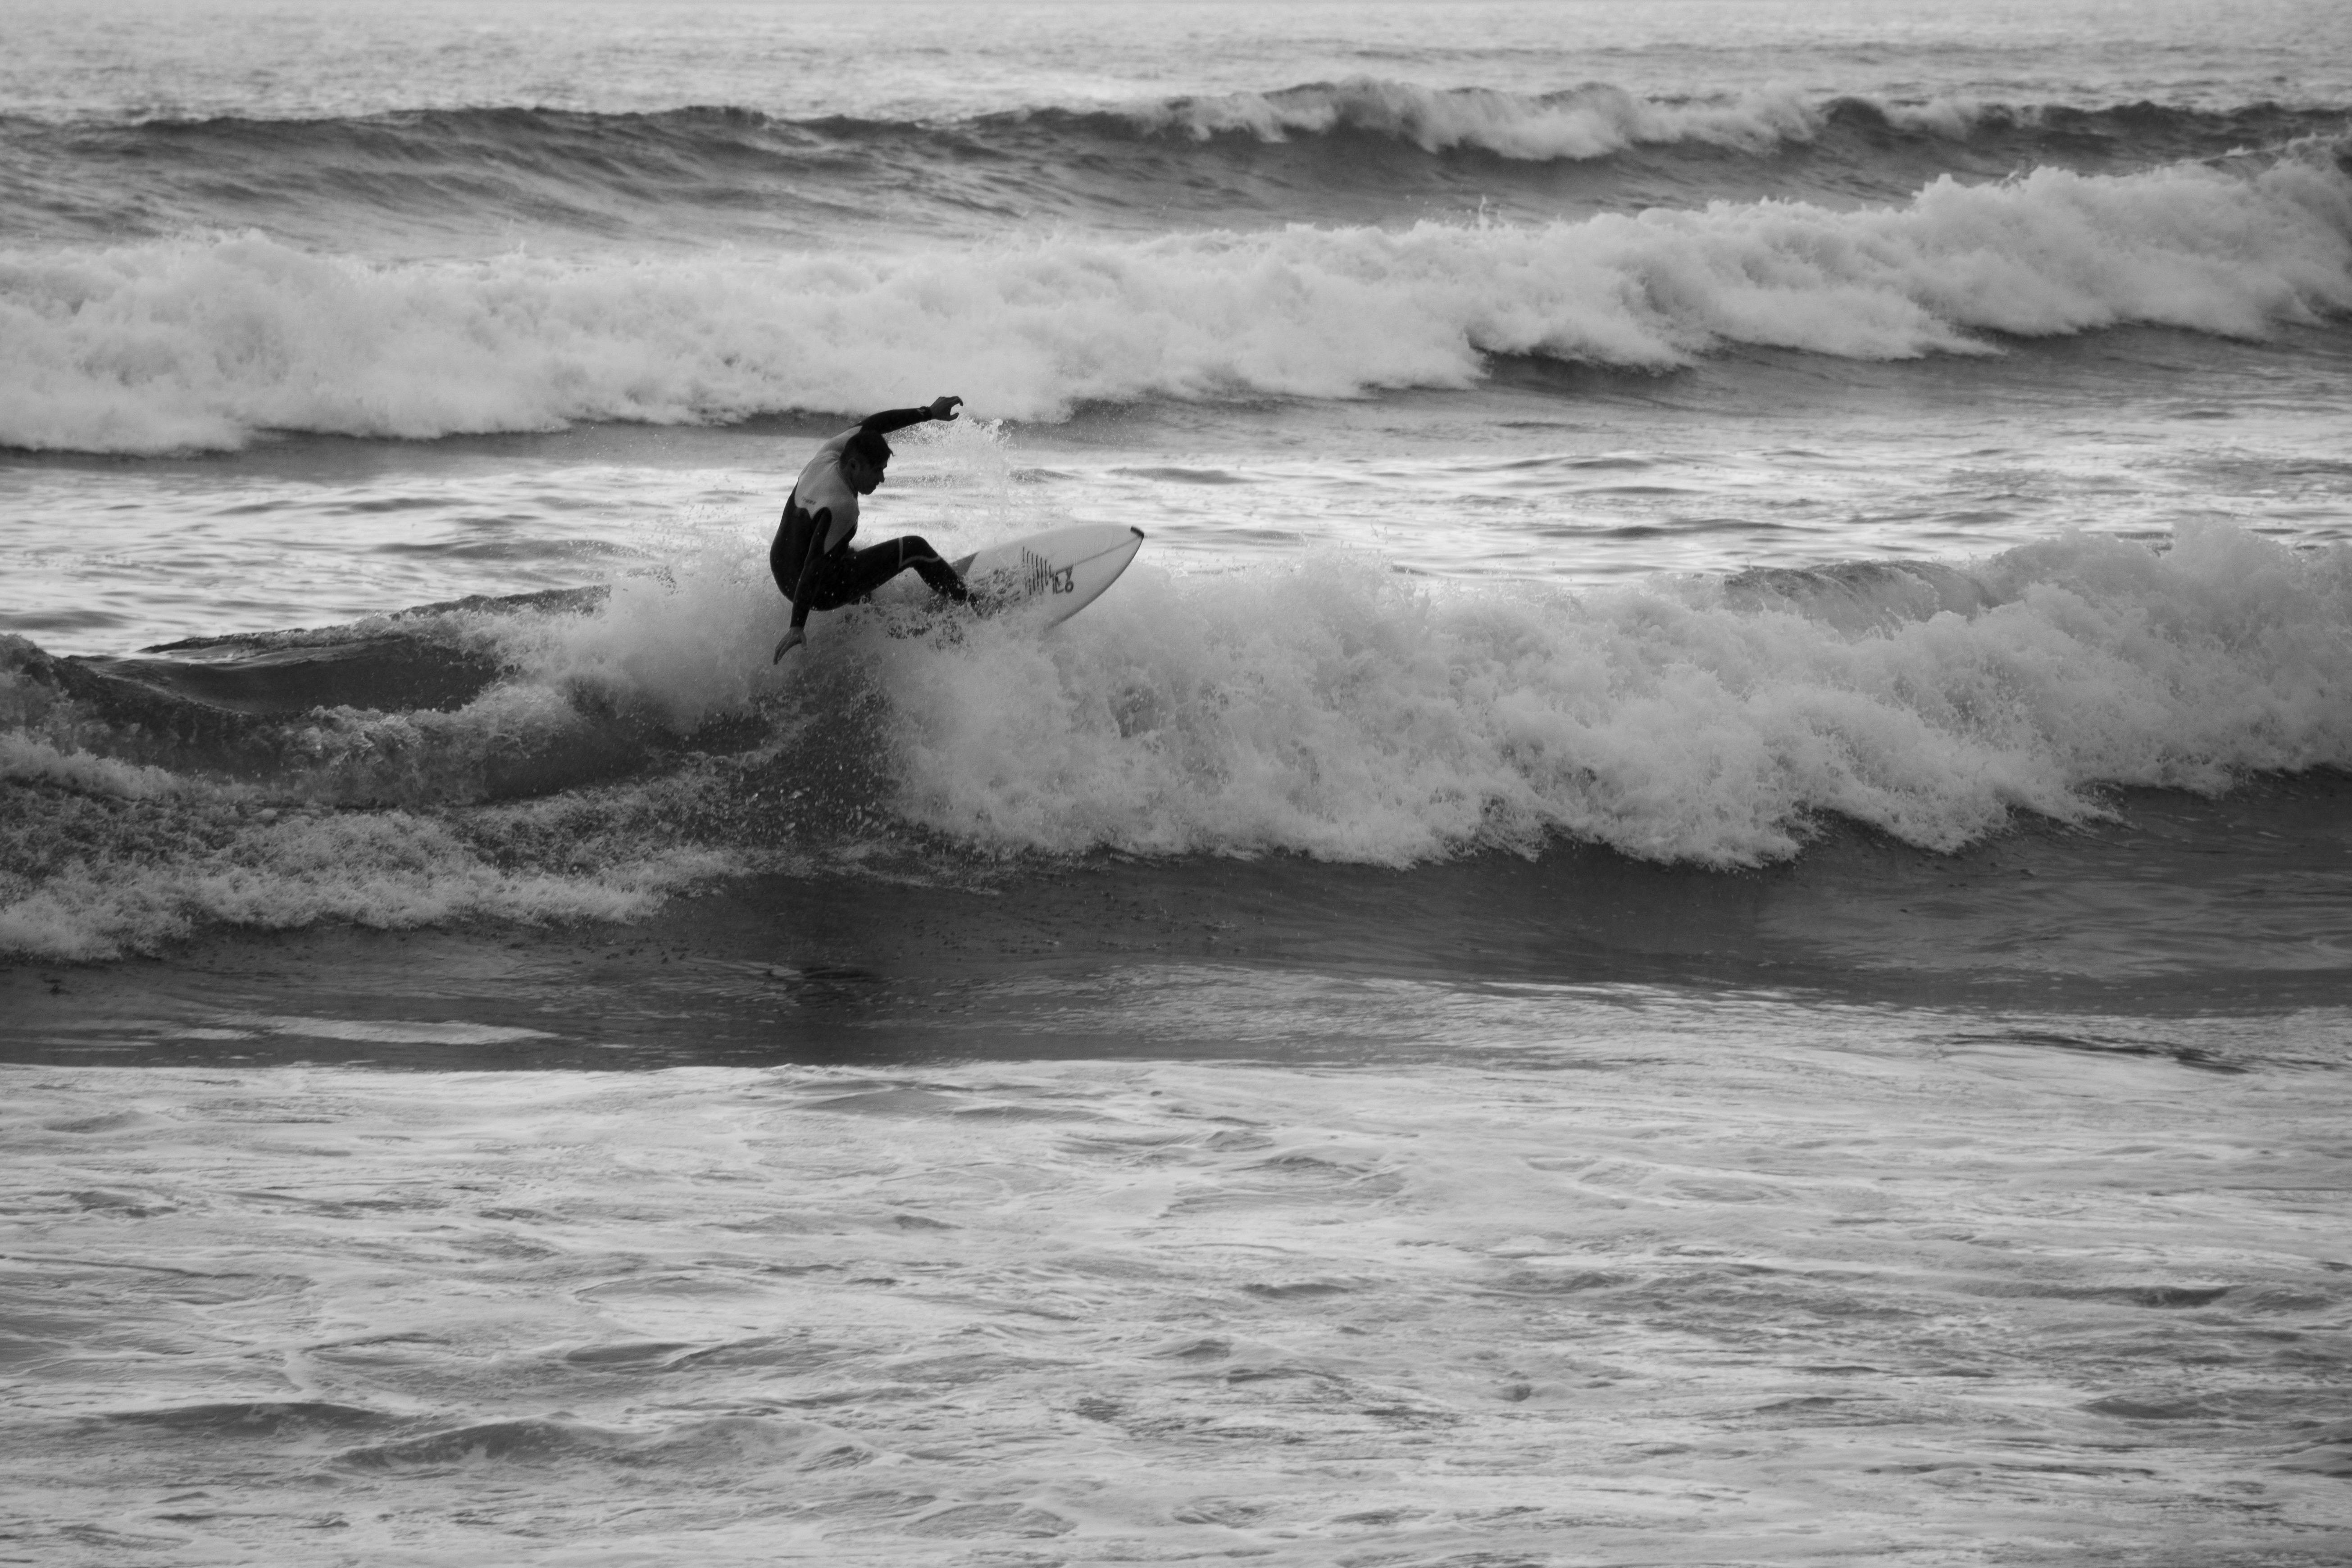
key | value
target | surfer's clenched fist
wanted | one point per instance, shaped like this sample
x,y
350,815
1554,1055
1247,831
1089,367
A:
x,y
811,557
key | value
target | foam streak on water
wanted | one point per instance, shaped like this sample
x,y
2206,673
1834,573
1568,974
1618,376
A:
x,y
1646,1280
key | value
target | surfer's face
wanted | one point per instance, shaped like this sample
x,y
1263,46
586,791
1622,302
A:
x,y
862,476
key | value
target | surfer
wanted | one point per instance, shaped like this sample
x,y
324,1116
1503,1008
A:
x,y
812,559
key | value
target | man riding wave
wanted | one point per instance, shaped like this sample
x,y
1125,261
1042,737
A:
x,y
811,557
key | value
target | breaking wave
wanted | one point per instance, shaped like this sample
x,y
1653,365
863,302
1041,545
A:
x,y
592,756
198,343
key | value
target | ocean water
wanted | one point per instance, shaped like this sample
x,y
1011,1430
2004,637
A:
x,y
1695,907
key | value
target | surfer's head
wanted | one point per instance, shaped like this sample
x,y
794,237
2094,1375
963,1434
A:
x,y
863,460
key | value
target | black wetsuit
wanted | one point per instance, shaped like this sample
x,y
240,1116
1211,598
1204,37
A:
x,y
815,579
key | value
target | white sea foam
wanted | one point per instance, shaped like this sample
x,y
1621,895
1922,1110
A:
x,y
682,647
386,870
202,343
25,759
173,853
1342,712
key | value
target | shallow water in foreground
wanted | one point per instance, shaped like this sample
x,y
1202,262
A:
x,y
1605,1273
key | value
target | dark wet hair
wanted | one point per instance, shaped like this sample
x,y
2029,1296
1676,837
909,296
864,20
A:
x,y
869,445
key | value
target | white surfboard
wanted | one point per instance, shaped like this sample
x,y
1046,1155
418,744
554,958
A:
x,y
1051,575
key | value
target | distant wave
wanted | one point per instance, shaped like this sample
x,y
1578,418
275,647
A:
x,y
1592,121
1354,151
1584,122
202,343
607,750
1597,121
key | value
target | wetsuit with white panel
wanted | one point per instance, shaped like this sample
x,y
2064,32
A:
x,y
811,559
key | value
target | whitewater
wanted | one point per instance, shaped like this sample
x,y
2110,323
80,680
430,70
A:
x,y
1695,904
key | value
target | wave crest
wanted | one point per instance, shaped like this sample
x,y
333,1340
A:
x,y
202,343
1590,121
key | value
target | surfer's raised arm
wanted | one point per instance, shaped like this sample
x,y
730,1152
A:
x,y
811,559
891,419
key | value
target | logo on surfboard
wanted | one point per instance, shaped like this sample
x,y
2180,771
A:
x,y
1044,577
